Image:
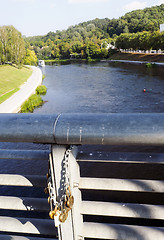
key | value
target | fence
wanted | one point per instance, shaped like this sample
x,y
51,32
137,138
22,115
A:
x,y
117,195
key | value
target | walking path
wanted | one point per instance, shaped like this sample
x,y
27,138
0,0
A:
x,y
13,104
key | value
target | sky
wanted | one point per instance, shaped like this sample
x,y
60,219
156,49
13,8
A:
x,y
38,17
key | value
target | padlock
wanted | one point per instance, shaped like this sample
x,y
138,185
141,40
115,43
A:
x,y
47,175
53,213
63,216
70,202
70,198
46,191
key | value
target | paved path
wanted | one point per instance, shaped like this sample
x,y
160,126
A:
x,y
13,104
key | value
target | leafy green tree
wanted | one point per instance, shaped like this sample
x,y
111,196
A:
x,y
12,45
64,50
31,58
55,52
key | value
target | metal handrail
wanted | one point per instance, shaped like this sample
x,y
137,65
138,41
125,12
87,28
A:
x,y
107,129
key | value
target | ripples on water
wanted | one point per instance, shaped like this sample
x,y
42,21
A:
x,y
103,88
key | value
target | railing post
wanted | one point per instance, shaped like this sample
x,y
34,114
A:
x,y
72,228
74,181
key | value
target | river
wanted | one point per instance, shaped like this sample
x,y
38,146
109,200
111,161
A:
x,y
103,88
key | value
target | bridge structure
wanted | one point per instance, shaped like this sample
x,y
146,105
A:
x,y
93,192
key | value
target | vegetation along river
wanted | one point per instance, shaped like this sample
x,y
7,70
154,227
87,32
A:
x,y
90,88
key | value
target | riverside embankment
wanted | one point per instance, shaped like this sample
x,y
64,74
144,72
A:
x,y
13,104
140,57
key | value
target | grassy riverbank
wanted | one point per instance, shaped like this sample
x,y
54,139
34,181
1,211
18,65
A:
x,y
67,61
138,57
11,78
34,101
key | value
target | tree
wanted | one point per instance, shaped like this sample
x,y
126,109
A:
x,y
12,45
31,58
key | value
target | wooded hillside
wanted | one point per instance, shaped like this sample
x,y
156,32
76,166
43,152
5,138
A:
x,y
90,39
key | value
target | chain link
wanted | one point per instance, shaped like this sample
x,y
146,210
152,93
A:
x,y
66,198
65,172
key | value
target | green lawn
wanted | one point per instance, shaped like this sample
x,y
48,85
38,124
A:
x,y
11,78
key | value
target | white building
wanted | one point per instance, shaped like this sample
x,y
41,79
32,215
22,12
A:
x,y
161,27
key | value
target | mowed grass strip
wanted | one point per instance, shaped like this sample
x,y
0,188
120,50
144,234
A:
x,y
7,95
11,78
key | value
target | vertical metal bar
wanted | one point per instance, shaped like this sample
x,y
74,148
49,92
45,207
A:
x,y
77,217
65,230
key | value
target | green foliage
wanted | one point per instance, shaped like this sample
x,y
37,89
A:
x,y
12,46
141,40
31,58
42,90
11,77
8,94
33,101
150,65
88,39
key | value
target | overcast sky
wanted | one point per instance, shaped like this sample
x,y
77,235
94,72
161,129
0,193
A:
x,y
38,17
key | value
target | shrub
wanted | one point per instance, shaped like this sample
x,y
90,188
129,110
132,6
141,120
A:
x,y
150,65
41,90
33,101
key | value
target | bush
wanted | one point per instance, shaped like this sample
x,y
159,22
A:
x,y
41,90
33,101
150,65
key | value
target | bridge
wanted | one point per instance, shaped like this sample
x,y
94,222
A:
x,y
91,191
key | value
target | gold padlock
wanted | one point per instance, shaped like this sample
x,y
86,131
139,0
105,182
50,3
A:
x,y
70,198
70,202
54,212
51,214
46,191
47,175
63,216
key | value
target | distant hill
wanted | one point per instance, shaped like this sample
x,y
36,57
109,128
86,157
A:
x,y
90,40
148,19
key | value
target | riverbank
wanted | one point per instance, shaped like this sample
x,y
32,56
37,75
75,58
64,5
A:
x,y
143,57
13,104
68,61
11,78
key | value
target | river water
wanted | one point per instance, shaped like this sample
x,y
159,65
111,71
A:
x,y
103,88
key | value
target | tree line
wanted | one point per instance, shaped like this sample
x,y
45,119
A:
x,y
90,39
64,49
141,40
13,49
137,30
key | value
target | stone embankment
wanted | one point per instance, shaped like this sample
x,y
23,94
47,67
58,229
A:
x,y
13,104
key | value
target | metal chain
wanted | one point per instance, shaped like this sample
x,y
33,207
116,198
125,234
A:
x,y
51,185
59,205
65,171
